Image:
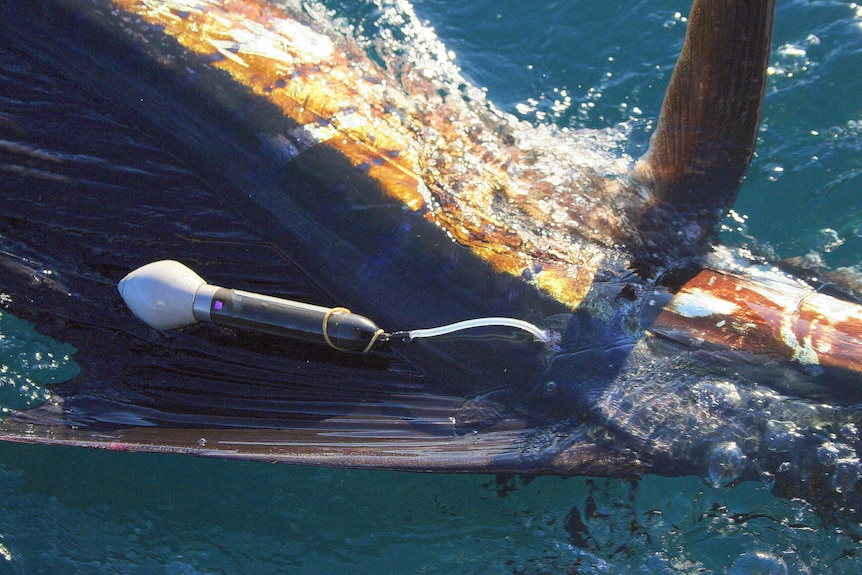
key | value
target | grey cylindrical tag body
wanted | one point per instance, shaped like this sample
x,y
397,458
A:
x,y
336,327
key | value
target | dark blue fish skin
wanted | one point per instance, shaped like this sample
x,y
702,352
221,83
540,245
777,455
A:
x,y
112,160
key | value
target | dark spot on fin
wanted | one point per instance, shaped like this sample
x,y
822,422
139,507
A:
x,y
705,136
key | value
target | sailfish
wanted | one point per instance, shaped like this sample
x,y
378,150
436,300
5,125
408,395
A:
x,y
272,151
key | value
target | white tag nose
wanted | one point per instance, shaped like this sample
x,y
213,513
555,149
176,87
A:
x,y
162,294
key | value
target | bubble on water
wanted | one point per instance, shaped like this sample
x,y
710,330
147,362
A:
x,y
29,362
792,59
780,439
849,432
773,171
677,18
717,395
846,475
827,454
726,462
828,240
758,563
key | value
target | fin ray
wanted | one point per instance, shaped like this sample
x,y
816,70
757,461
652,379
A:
x,y
705,138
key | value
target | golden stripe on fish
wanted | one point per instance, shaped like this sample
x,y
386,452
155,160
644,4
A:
x,y
456,162
781,317
299,70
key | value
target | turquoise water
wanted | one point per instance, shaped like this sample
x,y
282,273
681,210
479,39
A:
x,y
576,64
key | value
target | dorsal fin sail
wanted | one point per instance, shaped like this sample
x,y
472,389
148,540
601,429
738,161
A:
x,y
708,126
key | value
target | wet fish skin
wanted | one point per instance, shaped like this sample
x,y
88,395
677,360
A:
x,y
674,357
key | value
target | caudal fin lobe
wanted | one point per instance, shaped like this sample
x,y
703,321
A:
x,y
708,126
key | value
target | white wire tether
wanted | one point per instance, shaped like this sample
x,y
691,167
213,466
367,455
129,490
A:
x,y
537,332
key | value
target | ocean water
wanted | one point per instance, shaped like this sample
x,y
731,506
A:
x,y
579,64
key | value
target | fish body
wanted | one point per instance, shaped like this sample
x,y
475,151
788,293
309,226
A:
x,y
280,154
